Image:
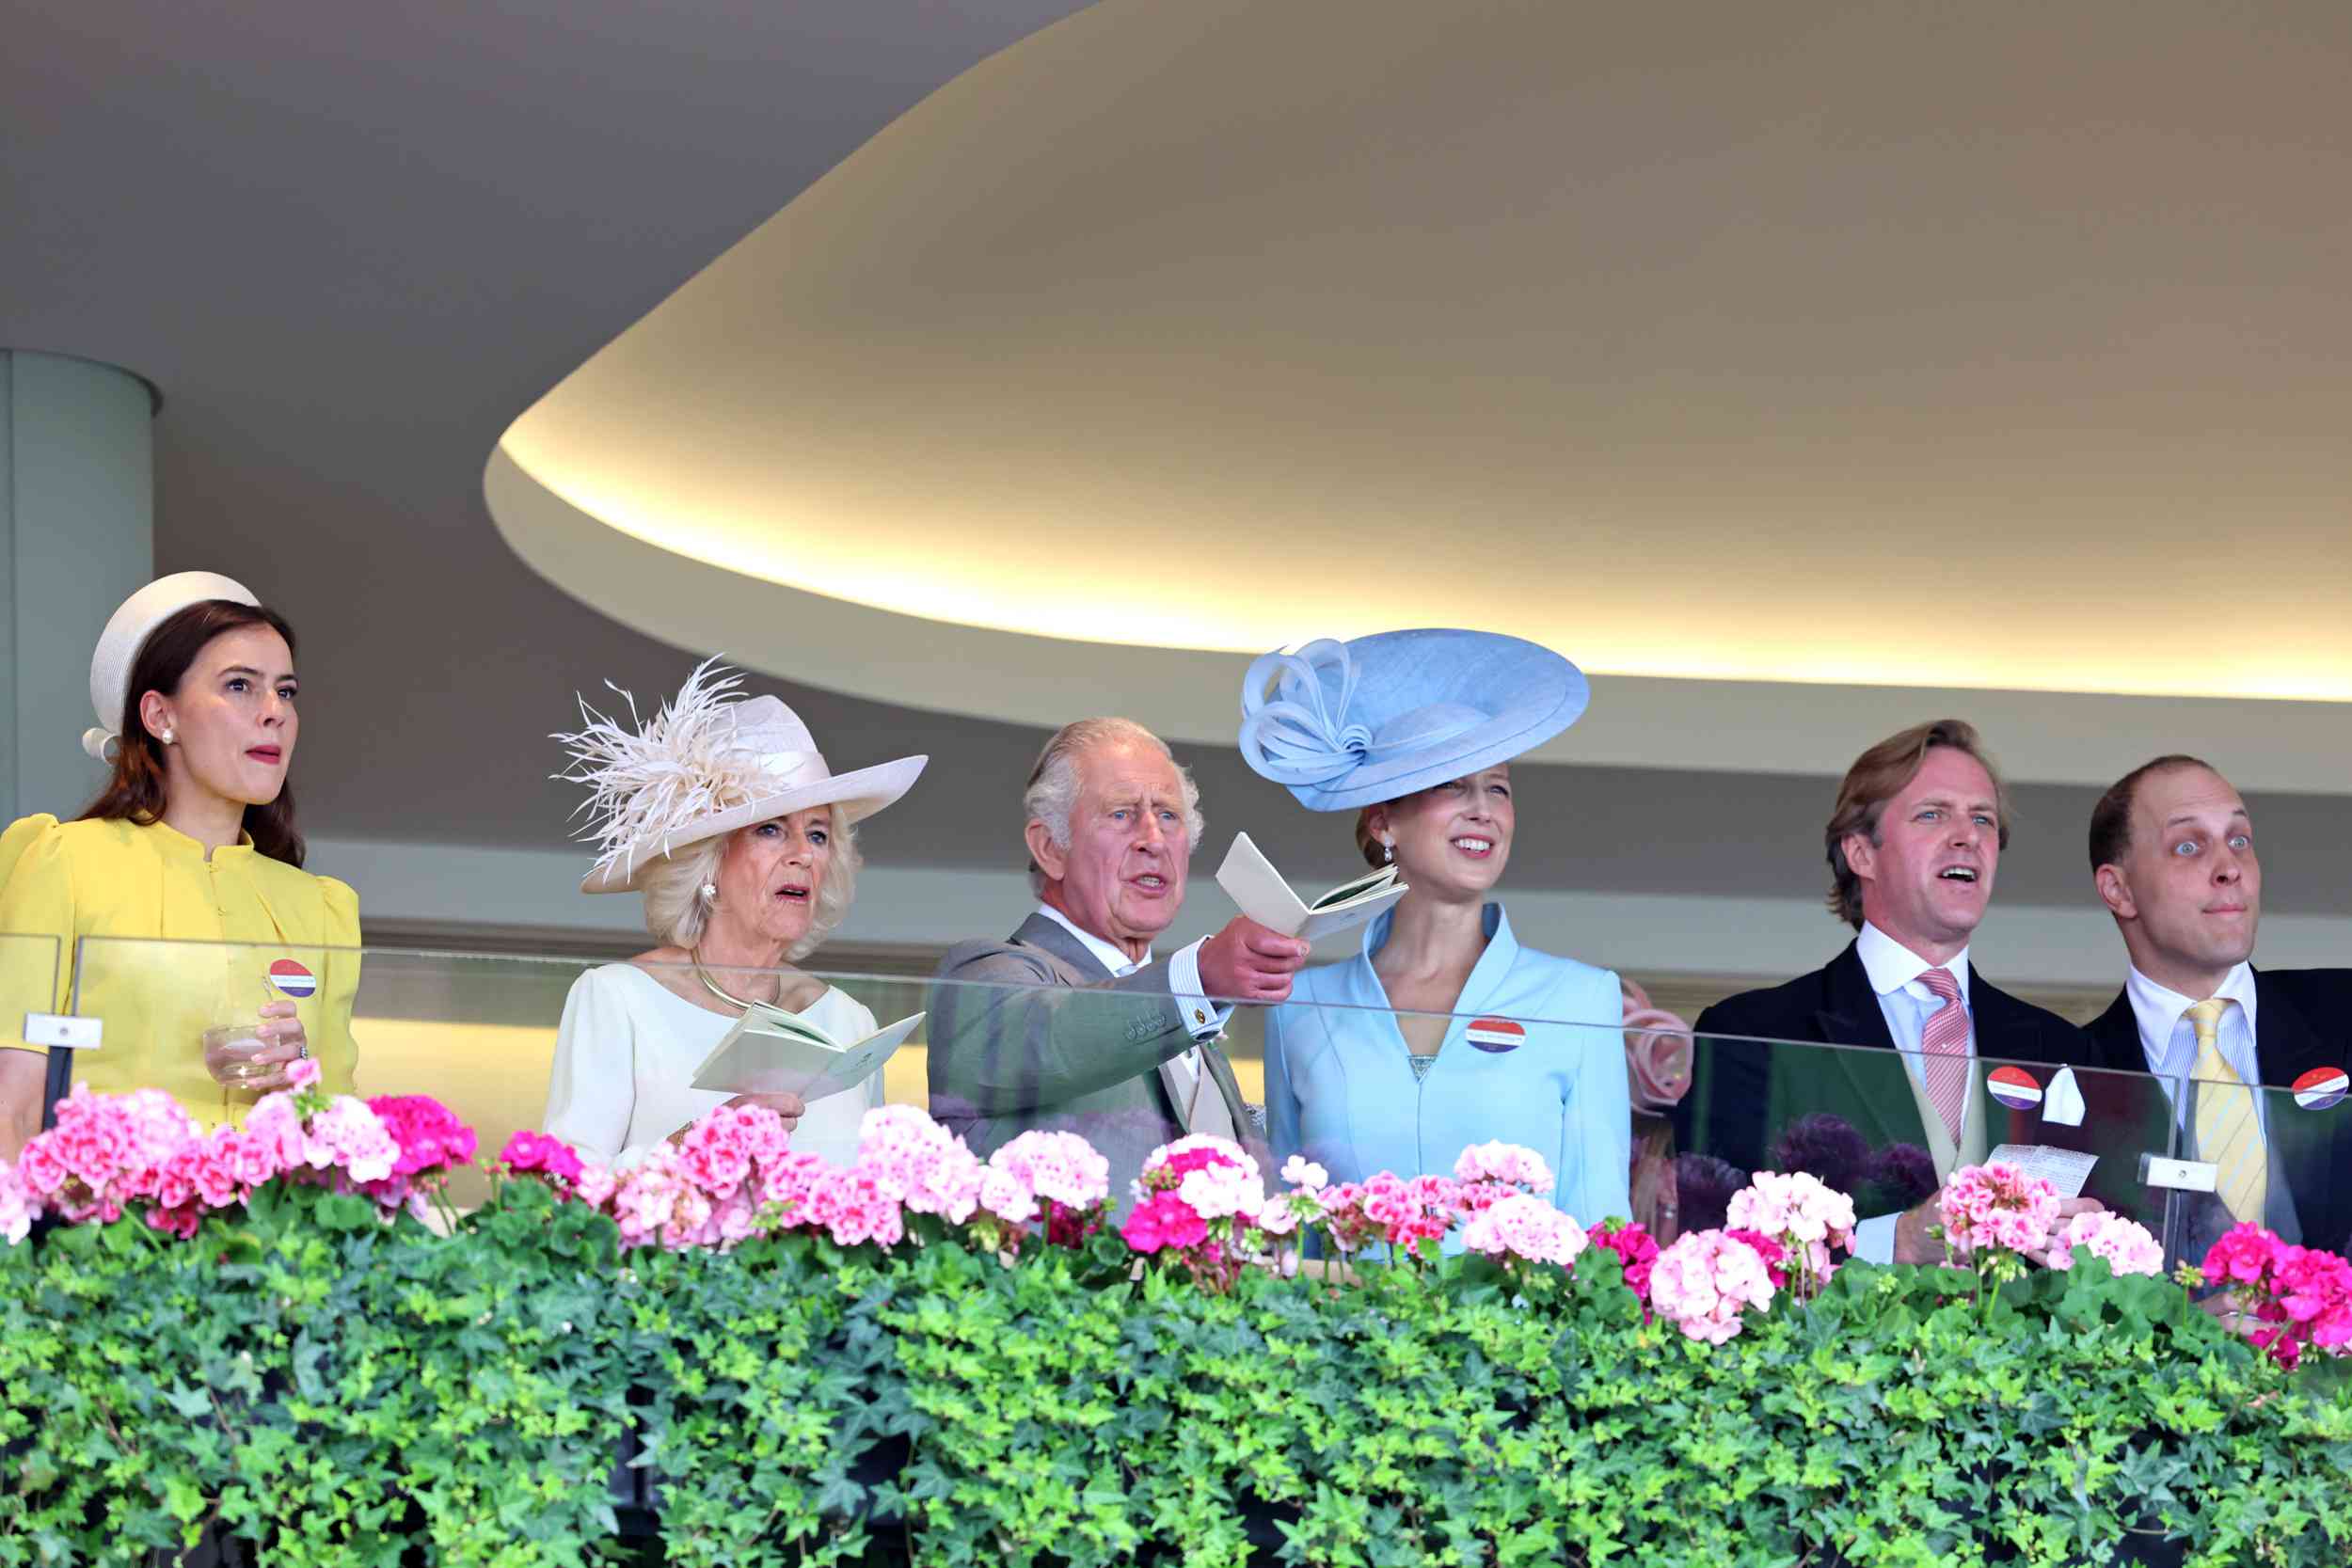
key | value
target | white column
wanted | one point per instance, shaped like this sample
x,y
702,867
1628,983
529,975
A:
x,y
77,537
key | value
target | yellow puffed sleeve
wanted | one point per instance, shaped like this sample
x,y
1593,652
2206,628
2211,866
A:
x,y
36,924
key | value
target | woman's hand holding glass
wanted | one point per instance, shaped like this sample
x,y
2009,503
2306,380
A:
x,y
254,1056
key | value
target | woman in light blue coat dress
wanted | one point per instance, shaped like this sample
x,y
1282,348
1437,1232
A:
x,y
1443,1031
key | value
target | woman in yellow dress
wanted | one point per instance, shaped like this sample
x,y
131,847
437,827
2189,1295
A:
x,y
227,959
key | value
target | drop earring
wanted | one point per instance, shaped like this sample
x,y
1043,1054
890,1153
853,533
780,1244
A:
x,y
1387,853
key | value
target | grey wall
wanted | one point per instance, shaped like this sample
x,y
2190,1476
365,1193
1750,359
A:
x,y
77,537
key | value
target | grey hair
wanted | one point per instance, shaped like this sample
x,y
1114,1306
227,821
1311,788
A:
x,y
1052,794
677,915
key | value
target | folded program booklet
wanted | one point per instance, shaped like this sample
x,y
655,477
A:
x,y
1250,880
2066,1169
769,1050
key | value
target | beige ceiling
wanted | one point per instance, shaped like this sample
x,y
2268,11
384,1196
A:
x,y
1999,346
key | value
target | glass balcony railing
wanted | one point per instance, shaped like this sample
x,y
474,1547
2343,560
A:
x,y
32,988
606,1055
2277,1157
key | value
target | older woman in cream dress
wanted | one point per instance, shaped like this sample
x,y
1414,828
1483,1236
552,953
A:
x,y
723,812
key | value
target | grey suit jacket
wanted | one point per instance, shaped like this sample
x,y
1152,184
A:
x,y
1041,1035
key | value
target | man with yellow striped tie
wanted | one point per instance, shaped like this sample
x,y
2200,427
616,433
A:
x,y
2172,855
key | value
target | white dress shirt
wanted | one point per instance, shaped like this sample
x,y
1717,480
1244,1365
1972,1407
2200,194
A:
x,y
1907,1005
1904,998
2169,1038
1202,1019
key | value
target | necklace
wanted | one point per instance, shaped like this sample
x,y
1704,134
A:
x,y
712,986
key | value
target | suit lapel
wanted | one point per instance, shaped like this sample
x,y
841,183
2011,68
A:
x,y
1851,1015
2003,1030
1244,1131
2115,1036
1052,937
2309,1149
2285,1044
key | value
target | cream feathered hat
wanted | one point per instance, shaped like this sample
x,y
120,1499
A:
x,y
127,632
709,762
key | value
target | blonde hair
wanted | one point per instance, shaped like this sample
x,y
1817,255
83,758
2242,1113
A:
x,y
1880,774
679,915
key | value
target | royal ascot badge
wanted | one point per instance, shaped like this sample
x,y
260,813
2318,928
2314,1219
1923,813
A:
x,y
291,979
2014,1088
1496,1035
2321,1088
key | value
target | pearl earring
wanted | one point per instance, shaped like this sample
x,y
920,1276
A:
x,y
1387,853
169,734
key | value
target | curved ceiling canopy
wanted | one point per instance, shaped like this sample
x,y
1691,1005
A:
x,y
1983,347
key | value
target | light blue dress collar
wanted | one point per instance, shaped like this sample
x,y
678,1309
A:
x,y
1502,950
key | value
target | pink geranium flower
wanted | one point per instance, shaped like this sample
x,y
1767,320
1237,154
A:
x,y
1163,1221
1059,1167
1997,1207
2127,1246
19,1208
1524,1228
1808,1223
2301,1297
1706,1281
1774,1254
1636,1249
529,1152
1509,1164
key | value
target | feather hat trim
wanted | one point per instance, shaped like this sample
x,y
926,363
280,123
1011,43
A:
x,y
708,760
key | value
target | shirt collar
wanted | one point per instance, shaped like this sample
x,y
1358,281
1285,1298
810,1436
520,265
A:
x,y
2159,1009
1891,966
1109,954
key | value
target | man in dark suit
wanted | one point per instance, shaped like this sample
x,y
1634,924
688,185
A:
x,y
1071,1025
1914,844
2172,856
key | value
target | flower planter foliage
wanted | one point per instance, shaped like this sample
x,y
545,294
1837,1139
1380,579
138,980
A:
x,y
331,1381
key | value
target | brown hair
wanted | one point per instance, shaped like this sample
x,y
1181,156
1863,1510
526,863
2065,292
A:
x,y
1877,776
1366,845
135,793
2111,818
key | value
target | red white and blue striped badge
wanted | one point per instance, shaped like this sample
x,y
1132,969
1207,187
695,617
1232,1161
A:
x,y
2321,1088
292,979
1496,1034
2014,1088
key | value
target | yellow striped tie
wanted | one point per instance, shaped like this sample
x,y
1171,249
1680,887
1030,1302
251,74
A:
x,y
2229,1135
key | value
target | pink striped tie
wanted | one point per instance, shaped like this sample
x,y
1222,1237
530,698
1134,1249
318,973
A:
x,y
1944,1042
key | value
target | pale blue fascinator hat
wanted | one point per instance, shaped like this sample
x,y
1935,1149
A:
x,y
1345,725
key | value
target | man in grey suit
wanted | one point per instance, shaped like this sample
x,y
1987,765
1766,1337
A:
x,y
1070,1025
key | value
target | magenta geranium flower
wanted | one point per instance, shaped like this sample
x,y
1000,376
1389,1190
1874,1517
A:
x,y
429,1134
1164,1220
529,1152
